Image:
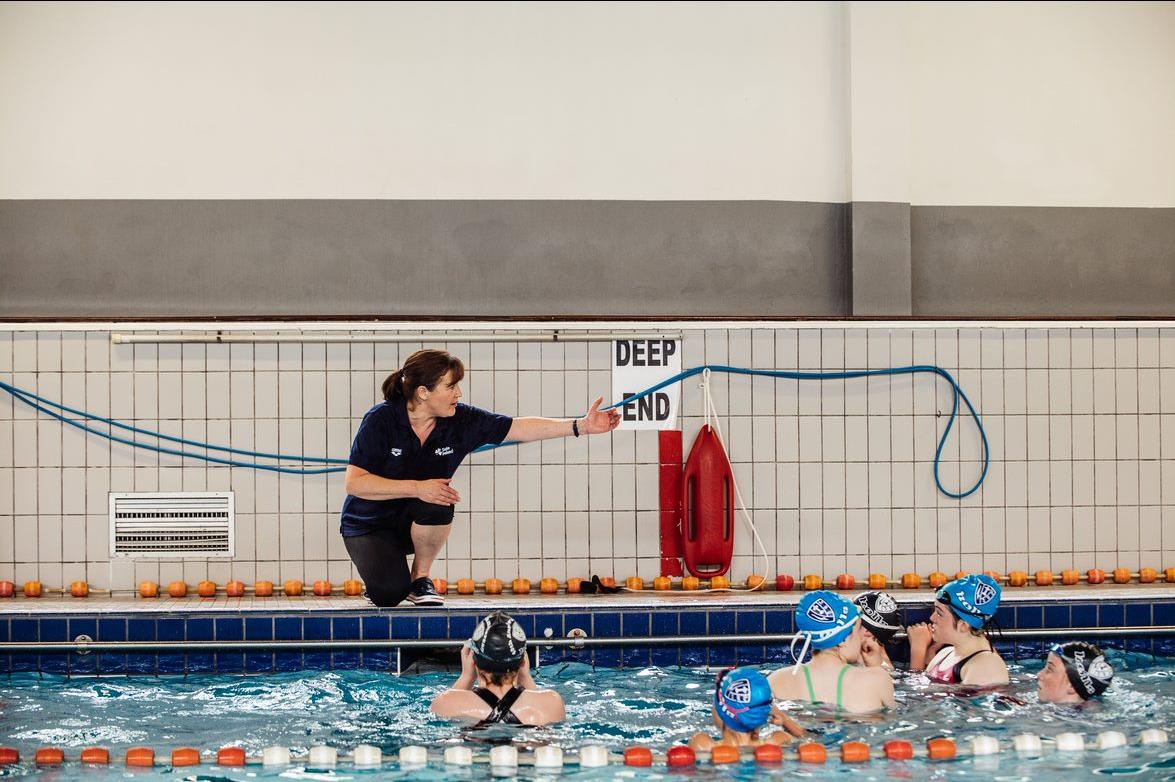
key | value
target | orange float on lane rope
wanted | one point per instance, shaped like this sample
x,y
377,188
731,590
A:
x,y
465,586
690,583
352,587
1121,575
995,575
784,582
854,752
206,589
911,581
635,583
7,589
845,581
140,756
1070,577
1017,578
322,588
941,749
768,753
98,756
549,586
185,756
234,589
32,589
520,586
723,753
263,589
1148,575
1169,575
79,589
813,582
8,756
877,581
494,586
50,756
1096,576
638,756
230,756
662,583
755,581
680,755
720,582
811,752
899,749
292,588
177,589
1044,578
573,585
937,579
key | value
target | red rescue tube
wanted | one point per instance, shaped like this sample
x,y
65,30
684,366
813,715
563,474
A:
x,y
707,492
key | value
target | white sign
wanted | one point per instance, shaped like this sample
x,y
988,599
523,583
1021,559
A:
x,y
638,364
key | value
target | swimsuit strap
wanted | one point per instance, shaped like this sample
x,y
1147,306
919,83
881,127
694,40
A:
x,y
958,669
500,708
840,682
811,689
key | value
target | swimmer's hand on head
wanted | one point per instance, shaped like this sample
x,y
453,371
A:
x,y
468,676
437,491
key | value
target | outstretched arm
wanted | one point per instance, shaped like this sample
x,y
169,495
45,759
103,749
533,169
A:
x,y
597,421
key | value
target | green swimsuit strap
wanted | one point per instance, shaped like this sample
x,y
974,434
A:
x,y
811,689
840,683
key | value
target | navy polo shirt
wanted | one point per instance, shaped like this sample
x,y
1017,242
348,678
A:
x,y
385,445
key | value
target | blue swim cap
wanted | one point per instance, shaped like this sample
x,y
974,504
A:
x,y
743,699
825,618
974,599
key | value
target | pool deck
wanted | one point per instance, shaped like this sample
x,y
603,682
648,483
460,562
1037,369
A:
x,y
647,599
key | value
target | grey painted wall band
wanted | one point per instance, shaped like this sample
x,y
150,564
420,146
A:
x,y
1042,261
421,258
562,259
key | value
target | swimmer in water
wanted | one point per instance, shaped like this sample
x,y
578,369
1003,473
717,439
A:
x,y
882,620
495,685
963,611
742,707
831,625
1074,673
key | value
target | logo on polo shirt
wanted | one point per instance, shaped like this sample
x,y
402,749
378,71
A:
x,y
446,450
396,452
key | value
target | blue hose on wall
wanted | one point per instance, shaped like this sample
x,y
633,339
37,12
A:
x,y
51,409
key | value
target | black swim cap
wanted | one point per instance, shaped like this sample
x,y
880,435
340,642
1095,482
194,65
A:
x,y
879,612
1088,670
498,643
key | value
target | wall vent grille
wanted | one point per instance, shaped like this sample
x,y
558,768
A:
x,y
171,525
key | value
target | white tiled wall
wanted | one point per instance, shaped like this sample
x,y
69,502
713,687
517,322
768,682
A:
x,y
838,474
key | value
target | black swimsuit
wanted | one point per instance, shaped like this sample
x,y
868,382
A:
x,y
500,708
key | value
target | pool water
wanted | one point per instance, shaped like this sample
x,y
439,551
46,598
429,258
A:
x,y
618,708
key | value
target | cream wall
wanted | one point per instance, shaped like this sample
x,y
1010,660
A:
x,y
422,100
1028,104
1042,104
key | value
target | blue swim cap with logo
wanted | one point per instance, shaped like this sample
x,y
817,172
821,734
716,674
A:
x,y
742,699
974,599
825,618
